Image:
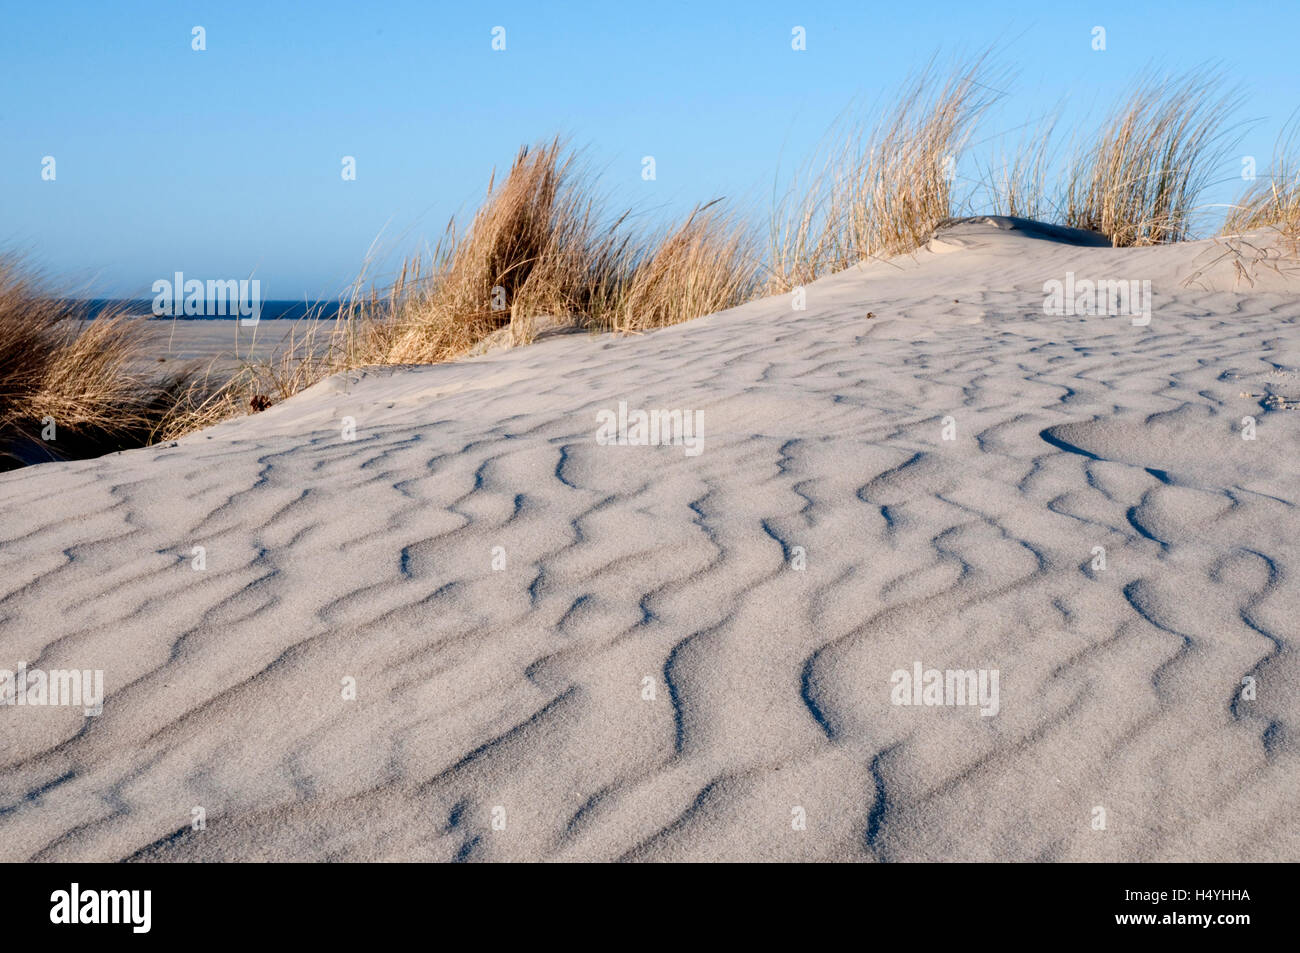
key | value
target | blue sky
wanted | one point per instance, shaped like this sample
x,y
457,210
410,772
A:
x,y
226,162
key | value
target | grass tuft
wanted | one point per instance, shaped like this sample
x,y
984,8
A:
x,y
879,190
1272,200
1138,181
79,377
542,252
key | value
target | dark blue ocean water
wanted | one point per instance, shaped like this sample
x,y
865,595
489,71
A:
x,y
271,310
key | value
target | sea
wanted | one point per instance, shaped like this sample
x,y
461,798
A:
x,y
271,310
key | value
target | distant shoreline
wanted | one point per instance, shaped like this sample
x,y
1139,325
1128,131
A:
x,y
283,310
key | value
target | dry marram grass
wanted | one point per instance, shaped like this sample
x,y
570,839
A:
x,y
1138,181
878,190
1272,200
542,248
80,376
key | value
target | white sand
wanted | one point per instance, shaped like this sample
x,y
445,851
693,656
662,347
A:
x,y
223,345
522,689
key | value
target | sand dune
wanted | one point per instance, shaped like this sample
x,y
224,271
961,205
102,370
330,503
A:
x,y
651,675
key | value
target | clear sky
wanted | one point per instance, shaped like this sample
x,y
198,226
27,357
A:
x,y
226,162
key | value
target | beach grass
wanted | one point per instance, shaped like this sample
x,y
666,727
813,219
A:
x,y
70,387
1139,179
878,189
544,249
1272,200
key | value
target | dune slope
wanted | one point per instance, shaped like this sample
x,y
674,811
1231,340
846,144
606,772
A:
x,y
568,650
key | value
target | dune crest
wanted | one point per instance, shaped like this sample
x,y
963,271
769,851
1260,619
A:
x,y
563,649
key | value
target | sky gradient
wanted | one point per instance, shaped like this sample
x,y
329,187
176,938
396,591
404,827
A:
x,y
226,162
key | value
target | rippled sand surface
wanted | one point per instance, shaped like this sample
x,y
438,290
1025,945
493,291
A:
x,y
568,650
